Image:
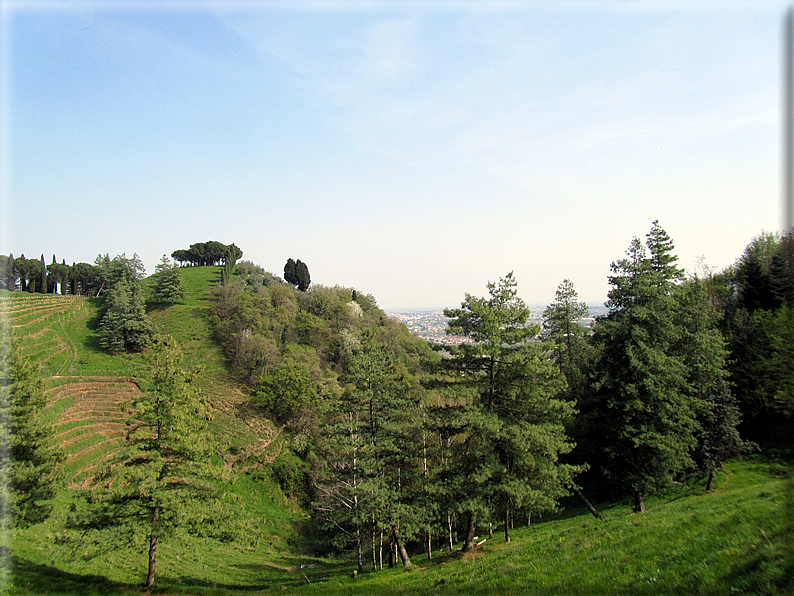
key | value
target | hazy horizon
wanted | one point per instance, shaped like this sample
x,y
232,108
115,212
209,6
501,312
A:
x,y
414,151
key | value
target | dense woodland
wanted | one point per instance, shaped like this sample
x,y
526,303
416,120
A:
x,y
399,446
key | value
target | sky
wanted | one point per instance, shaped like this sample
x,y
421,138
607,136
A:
x,y
414,151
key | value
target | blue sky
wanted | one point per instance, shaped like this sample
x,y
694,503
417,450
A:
x,y
412,150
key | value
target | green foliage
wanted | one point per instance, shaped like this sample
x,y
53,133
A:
x,y
562,327
30,476
211,252
705,355
163,483
287,391
297,274
509,427
124,325
121,270
368,481
649,411
168,286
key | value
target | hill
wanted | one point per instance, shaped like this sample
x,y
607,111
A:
x,y
89,392
734,540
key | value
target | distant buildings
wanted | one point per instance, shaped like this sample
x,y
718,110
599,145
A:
x,y
431,325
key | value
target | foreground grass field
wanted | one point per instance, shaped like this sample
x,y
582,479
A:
x,y
734,540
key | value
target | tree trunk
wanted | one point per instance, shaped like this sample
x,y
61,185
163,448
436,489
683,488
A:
x,y
374,560
469,544
380,551
587,504
152,560
449,531
507,526
359,554
400,547
639,503
391,551
429,544
710,481
490,530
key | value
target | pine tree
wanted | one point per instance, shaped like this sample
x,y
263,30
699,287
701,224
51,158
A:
x,y
168,286
369,481
649,414
508,422
124,324
30,475
705,355
164,483
561,325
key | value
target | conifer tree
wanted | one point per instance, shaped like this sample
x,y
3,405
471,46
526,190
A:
x,y
561,325
290,274
169,287
649,413
124,324
705,355
509,422
302,275
368,483
163,483
30,476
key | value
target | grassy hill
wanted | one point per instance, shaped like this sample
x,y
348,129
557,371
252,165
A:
x,y
737,539
89,391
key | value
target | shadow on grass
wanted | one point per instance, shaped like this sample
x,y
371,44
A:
x,y
35,578
264,577
91,342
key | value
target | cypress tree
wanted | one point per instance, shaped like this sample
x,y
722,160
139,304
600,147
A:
x,y
43,279
302,275
290,274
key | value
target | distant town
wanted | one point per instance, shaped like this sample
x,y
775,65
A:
x,y
431,325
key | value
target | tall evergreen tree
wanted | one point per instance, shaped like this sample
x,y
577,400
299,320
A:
x,y
168,286
302,275
705,355
509,428
124,324
649,414
30,475
561,323
369,482
164,483
290,273
42,285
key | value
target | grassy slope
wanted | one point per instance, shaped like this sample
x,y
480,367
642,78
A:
x,y
731,541
88,389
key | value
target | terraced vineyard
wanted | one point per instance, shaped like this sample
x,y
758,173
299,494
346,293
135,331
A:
x,y
39,322
91,421
90,392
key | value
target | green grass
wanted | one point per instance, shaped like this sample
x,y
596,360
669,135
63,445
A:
x,y
60,334
733,540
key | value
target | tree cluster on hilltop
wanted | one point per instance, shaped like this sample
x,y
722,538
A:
x,y
207,253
